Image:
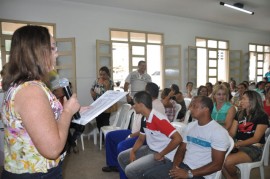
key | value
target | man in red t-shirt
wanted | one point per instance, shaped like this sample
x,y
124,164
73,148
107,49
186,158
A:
x,y
161,137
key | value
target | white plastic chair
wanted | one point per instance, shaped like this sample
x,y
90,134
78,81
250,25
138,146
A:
x,y
266,160
186,117
187,102
178,107
219,173
90,129
120,122
179,126
245,168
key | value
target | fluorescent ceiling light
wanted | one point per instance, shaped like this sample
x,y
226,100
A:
x,y
237,6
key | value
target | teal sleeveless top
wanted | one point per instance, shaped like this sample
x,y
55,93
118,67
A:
x,y
220,115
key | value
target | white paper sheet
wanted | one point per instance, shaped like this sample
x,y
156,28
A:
x,y
101,104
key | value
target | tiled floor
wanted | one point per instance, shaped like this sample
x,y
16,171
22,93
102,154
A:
x,y
87,164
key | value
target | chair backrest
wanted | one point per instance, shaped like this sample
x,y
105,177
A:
x,y
178,107
130,117
266,158
218,174
89,127
121,114
179,126
116,116
118,113
265,148
231,146
186,117
187,102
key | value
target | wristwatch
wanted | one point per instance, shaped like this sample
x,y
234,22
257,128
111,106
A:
x,y
190,175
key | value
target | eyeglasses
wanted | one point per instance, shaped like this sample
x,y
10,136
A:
x,y
54,49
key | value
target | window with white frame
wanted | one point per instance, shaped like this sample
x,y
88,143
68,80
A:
x,y
129,47
212,57
259,61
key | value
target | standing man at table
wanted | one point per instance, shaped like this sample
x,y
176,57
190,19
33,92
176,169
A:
x,y
136,81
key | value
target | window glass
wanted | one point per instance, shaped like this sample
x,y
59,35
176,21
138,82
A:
x,y
8,28
260,56
138,50
135,60
172,72
121,53
154,60
212,72
260,64
259,48
212,63
212,54
137,37
223,67
154,38
222,45
7,45
267,48
252,66
259,71
252,48
200,42
213,80
119,36
212,44
259,78
201,66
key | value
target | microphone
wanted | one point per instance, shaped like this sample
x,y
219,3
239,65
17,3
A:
x,y
64,83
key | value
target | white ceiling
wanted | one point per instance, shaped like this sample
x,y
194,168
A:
x,y
207,10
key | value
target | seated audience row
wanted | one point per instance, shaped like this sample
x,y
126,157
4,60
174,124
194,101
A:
x,y
159,160
224,112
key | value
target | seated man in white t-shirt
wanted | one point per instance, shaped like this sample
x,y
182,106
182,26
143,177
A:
x,y
202,152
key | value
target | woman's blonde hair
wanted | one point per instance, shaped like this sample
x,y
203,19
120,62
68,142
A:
x,y
30,56
220,87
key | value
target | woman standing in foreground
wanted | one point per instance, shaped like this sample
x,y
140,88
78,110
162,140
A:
x,y
36,124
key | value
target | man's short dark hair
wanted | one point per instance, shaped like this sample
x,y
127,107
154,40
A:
x,y
143,97
175,87
205,102
260,83
140,62
189,83
152,89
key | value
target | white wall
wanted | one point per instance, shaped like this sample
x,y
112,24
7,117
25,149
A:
x,y
87,23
